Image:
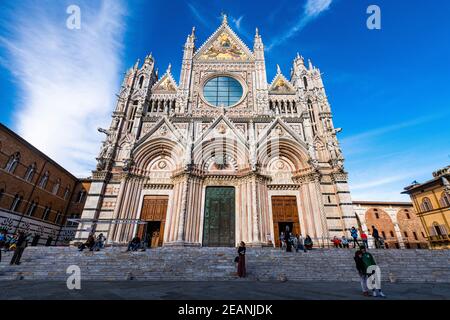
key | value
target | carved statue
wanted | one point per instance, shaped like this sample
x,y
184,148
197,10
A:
x,y
128,164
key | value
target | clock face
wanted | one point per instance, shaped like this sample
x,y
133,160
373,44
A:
x,y
222,91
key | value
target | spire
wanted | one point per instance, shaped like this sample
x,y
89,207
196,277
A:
x,y
257,33
148,59
136,66
169,68
310,66
193,32
224,18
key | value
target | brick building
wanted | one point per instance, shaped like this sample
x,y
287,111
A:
x,y
36,193
397,223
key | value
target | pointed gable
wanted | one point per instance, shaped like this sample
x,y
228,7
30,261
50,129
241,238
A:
x,y
221,126
161,129
166,84
280,85
224,44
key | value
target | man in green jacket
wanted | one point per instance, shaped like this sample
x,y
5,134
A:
x,y
368,261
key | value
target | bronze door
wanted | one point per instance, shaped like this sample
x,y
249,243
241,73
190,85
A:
x,y
219,220
285,213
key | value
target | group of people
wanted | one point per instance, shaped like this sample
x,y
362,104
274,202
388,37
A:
x,y
16,242
93,243
289,242
344,242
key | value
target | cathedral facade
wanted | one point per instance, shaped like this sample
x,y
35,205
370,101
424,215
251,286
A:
x,y
222,156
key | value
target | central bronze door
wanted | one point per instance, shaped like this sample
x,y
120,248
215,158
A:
x,y
218,226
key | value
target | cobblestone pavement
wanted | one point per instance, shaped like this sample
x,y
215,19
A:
x,y
227,290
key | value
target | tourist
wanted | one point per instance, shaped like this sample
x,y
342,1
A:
x,y
376,236
344,242
100,242
362,272
288,242
368,261
134,244
381,243
301,243
241,260
90,243
354,234
336,242
364,239
21,244
295,242
308,242
282,240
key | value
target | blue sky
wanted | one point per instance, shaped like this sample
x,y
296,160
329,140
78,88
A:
x,y
388,88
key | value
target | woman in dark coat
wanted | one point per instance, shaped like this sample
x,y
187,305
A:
x,y
241,261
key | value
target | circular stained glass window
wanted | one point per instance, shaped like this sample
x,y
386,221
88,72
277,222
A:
x,y
222,91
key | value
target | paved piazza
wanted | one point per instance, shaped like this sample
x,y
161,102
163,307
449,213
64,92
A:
x,y
228,290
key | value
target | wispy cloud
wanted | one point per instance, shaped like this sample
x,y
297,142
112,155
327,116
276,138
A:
x,y
67,78
237,22
387,129
311,10
199,16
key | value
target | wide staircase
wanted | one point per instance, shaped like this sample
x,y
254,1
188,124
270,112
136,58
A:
x,y
203,264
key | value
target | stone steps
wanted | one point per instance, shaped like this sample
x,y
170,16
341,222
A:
x,y
177,264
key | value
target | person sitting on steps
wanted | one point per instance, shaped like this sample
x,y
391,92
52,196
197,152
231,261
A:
x,y
344,242
308,242
134,244
100,242
90,242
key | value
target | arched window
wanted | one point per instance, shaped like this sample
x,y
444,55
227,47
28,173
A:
x,y
13,162
384,234
436,230
81,195
56,186
426,204
305,82
30,172
377,215
32,208
407,215
391,233
44,180
406,234
15,205
58,217
46,213
66,193
445,199
141,82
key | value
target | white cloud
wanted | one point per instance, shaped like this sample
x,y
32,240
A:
x,y
315,7
237,22
311,10
67,78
